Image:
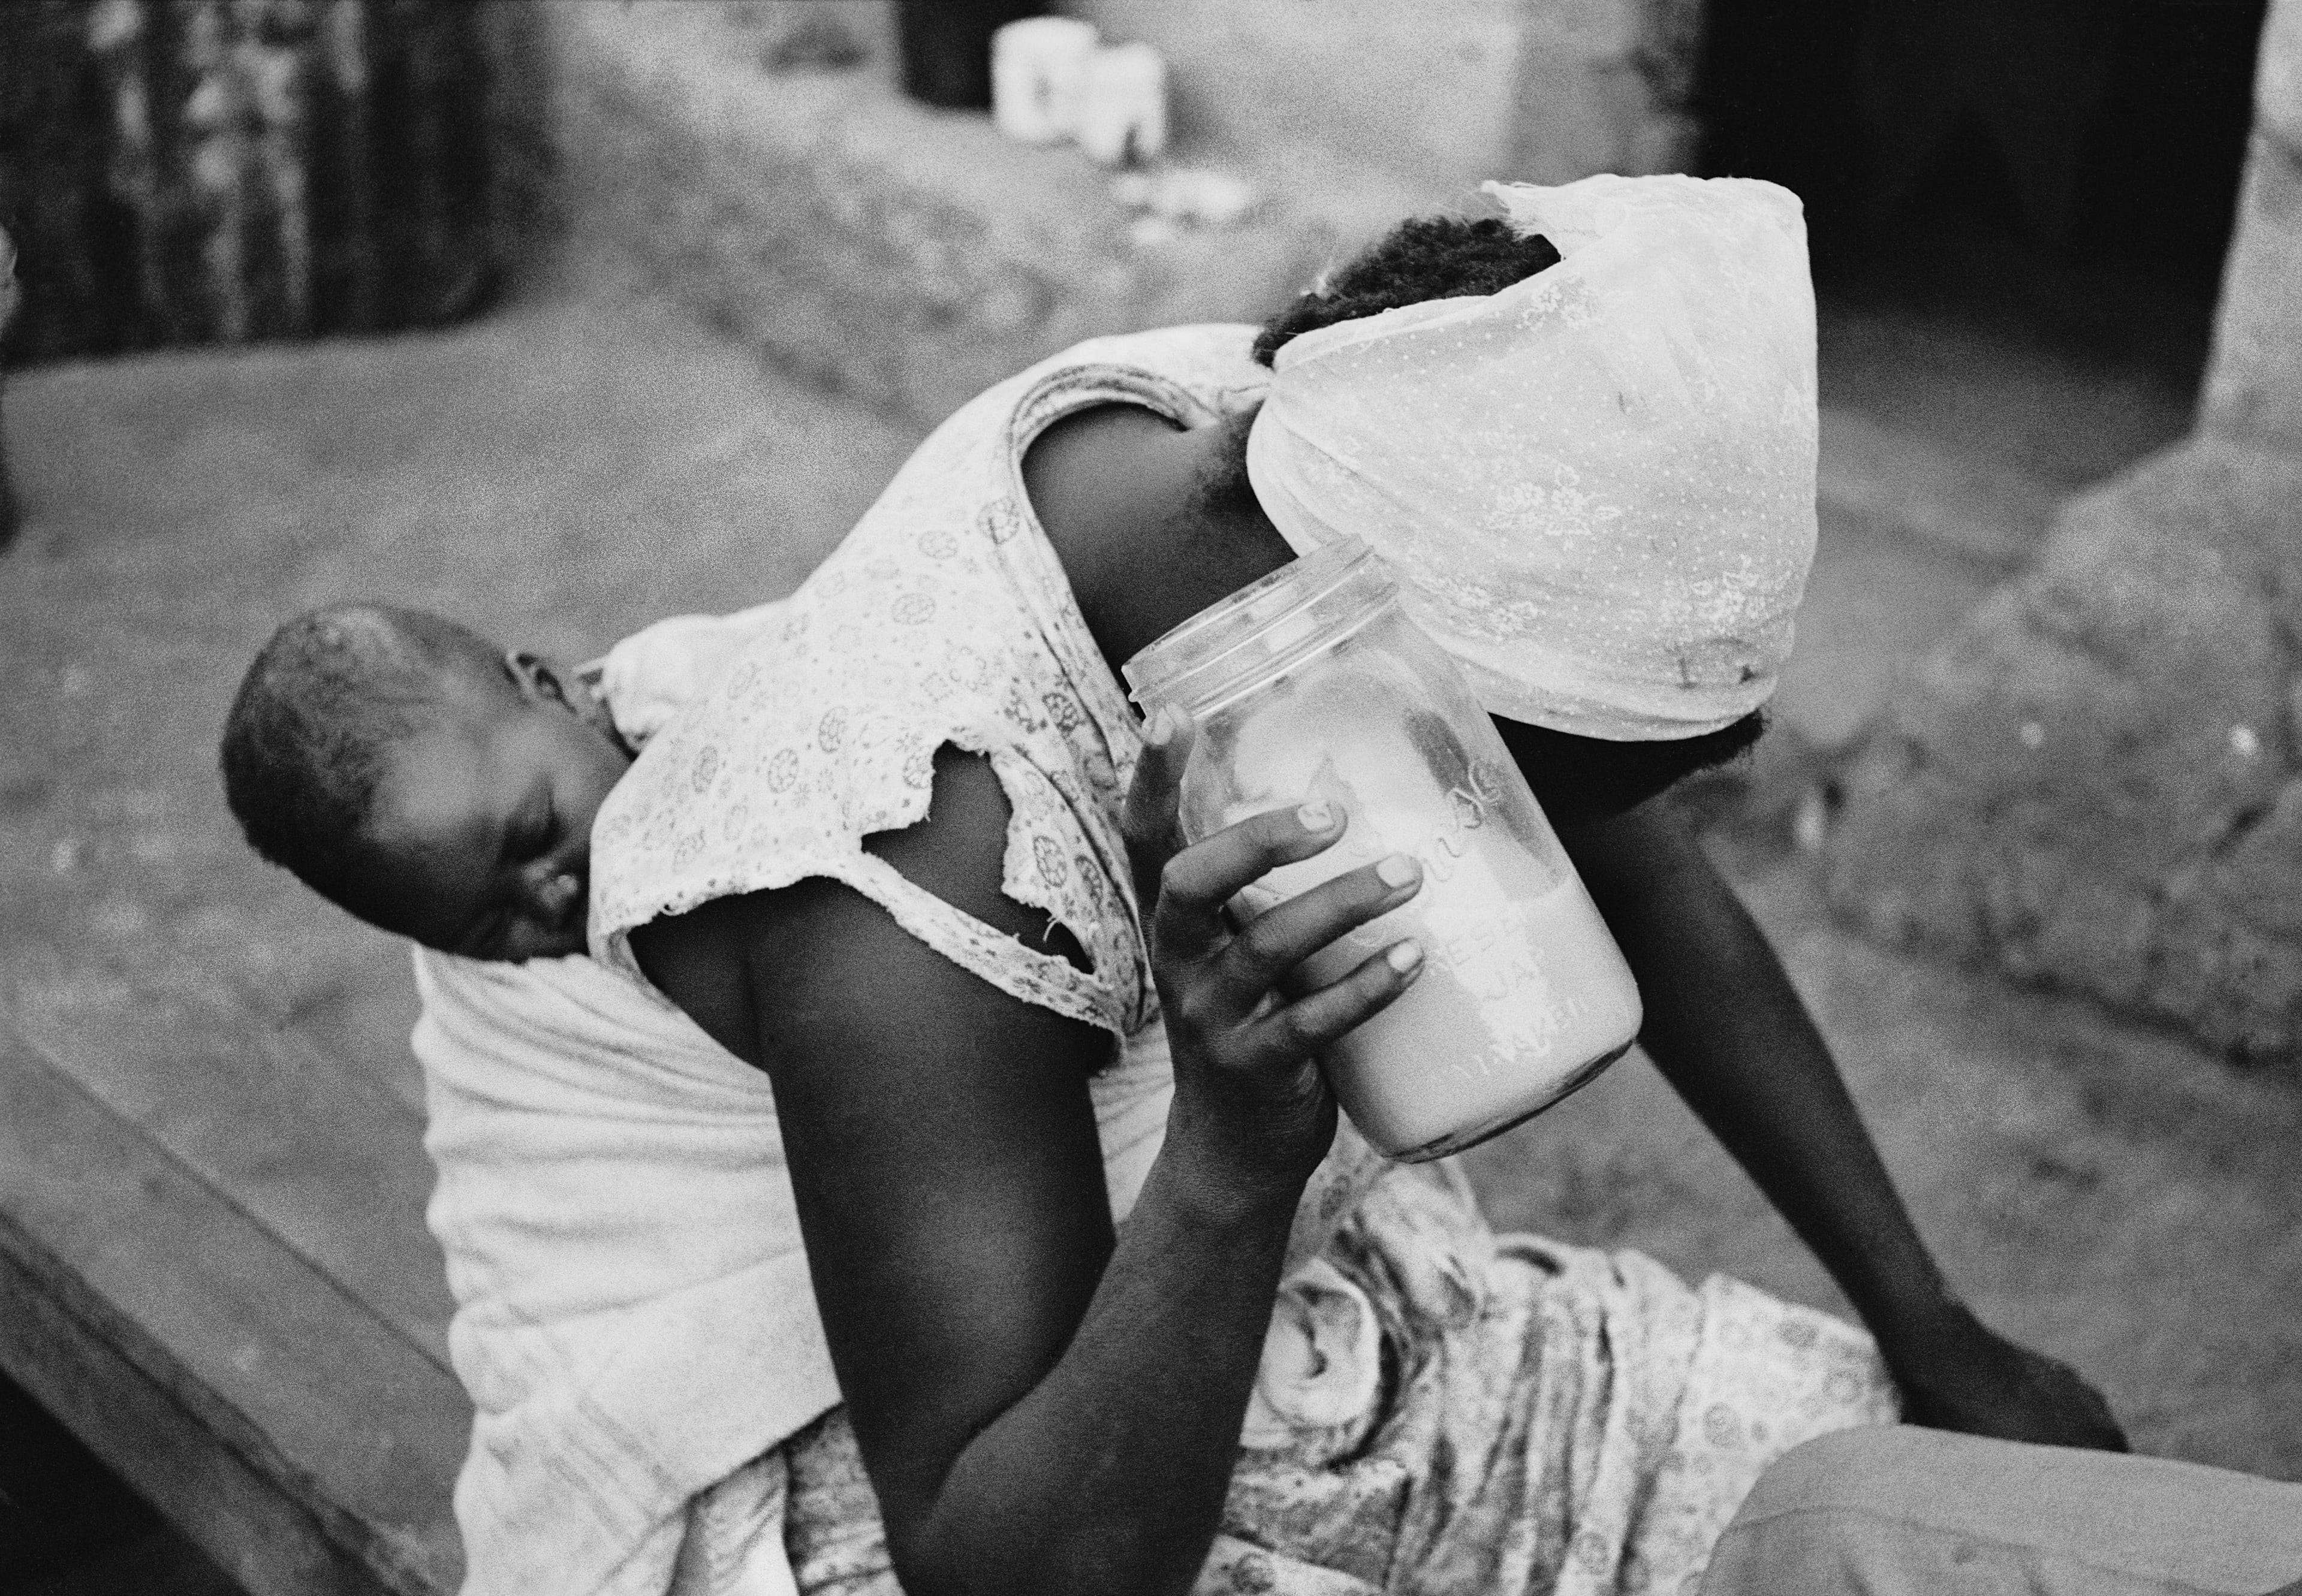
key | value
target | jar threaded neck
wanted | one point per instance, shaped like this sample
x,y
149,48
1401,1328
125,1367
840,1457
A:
x,y
1304,607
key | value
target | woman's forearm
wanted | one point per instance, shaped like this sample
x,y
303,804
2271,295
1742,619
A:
x,y
1727,1030
1110,1476
1044,1404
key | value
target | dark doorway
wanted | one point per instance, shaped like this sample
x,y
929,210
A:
x,y
2066,167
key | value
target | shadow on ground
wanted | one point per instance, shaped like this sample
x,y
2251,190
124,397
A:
x,y
67,1528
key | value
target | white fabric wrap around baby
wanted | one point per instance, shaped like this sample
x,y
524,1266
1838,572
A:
x,y
634,1319
1596,487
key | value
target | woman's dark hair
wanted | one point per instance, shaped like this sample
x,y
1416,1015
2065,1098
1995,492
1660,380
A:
x,y
1425,257
1442,257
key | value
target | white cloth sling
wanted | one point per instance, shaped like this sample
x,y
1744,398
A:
x,y
634,1320
625,1260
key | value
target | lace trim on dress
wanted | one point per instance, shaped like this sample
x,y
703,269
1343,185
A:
x,y
917,632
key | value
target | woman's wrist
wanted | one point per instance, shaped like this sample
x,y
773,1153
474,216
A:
x,y
1923,1331
1232,1173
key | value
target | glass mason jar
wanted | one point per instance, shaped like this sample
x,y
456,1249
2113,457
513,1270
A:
x,y
1314,684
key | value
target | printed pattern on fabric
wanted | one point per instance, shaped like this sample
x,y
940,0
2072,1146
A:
x,y
1596,485
944,617
1556,1420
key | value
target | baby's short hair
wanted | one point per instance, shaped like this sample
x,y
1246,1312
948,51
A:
x,y
303,744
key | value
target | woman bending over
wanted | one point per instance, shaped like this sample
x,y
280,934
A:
x,y
1290,1367
883,863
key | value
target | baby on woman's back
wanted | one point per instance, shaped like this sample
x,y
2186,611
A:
x,y
612,1181
436,786
613,1202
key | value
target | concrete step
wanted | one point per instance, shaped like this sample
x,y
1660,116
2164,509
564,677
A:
x,y
213,1265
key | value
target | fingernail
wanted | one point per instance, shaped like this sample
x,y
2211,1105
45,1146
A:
x,y
1399,870
1404,956
1161,729
1316,816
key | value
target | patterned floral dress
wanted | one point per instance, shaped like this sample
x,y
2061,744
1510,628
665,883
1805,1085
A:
x,y
1440,1408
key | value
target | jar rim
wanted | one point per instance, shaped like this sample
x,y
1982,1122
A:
x,y
1195,645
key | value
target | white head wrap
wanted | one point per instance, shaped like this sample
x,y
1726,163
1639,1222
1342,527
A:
x,y
1596,487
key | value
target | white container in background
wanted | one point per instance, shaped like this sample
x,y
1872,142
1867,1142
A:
x,y
1039,67
1197,196
1313,683
1122,107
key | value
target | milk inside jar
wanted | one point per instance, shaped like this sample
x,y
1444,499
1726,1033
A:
x,y
1314,684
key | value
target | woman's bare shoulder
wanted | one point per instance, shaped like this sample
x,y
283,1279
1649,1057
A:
x,y
939,1132
1095,483
1121,492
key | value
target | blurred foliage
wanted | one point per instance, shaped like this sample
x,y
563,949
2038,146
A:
x,y
225,171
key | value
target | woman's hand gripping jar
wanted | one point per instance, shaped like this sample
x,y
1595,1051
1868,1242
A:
x,y
1313,683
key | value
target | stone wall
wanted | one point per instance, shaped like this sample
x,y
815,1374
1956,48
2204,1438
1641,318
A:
x,y
907,255
2097,784
1420,94
2254,389
754,160
1606,86
1435,96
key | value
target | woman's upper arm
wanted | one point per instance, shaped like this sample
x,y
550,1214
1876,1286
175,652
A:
x,y
938,1133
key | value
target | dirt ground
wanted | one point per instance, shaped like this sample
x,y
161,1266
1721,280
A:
x,y
571,468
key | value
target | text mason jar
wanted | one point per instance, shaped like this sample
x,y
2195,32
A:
x,y
1314,684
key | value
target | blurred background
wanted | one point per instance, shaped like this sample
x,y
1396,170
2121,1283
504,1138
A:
x,y
561,315
241,169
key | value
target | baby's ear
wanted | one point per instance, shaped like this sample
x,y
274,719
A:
x,y
542,681
537,679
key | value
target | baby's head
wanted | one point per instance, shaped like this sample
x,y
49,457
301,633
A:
x,y
412,773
